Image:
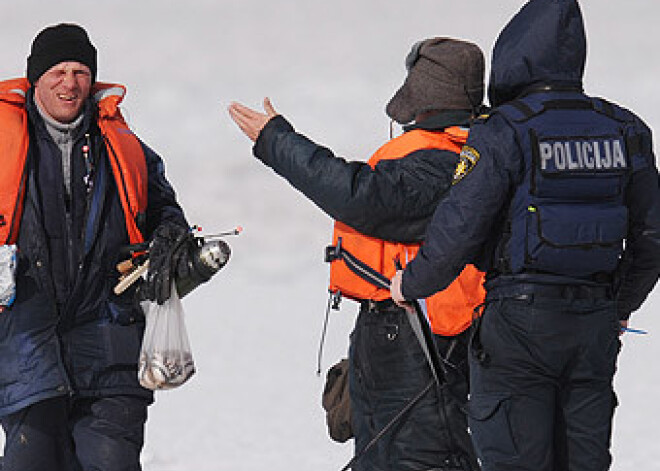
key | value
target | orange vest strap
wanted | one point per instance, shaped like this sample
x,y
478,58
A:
x,y
126,156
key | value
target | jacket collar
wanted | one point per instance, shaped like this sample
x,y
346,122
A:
x,y
442,120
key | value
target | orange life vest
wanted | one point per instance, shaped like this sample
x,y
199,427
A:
x,y
125,153
449,311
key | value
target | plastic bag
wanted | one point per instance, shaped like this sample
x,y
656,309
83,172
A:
x,y
165,358
7,276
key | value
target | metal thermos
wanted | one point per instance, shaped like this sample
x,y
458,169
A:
x,y
205,261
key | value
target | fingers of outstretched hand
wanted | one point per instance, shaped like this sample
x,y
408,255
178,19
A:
x,y
241,111
250,121
239,117
269,108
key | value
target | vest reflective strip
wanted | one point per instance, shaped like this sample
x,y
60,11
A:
x,y
110,91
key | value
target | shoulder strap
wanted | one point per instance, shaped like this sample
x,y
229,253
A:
x,y
605,107
524,111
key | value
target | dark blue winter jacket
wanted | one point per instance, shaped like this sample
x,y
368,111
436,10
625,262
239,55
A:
x,y
67,333
393,201
541,53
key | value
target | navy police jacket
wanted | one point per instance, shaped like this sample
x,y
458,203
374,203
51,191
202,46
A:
x,y
565,186
67,333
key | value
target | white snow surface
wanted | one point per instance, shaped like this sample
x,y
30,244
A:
x,y
330,67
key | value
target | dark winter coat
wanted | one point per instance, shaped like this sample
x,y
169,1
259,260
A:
x,y
542,52
67,333
393,201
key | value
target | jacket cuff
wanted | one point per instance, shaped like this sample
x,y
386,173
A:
x,y
624,316
404,277
263,146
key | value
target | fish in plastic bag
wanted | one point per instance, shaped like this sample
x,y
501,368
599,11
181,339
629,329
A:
x,y
7,276
165,358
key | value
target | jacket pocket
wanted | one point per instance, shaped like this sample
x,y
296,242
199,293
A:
x,y
488,418
123,312
122,343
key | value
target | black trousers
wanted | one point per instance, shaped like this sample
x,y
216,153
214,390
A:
x,y
541,384
63,434
387,369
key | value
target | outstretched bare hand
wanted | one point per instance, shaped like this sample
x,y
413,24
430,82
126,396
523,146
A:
x,y
251,121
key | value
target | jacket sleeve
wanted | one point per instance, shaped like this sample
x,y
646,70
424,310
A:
x,y
161,198
393,201
465,220
640,265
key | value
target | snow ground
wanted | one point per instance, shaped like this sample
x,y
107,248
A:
x,y
330,67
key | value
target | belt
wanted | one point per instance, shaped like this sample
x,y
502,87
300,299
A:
x,y
550,291
377,306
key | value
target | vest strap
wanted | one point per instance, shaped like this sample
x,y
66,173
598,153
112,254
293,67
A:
x,y
359,268
567,105
524,109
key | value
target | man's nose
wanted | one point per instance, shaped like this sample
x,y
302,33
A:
x,y
69,80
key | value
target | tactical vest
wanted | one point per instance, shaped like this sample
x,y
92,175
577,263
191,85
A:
x,y
568,216
361,266
125,154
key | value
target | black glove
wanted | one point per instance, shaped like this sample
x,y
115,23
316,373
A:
x,y
169,245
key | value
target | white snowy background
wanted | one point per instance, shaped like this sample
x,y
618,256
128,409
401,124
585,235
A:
x,y
330,67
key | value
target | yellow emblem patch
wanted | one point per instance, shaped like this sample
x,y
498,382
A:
x,y
467,160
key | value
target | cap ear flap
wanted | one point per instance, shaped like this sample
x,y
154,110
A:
x,y
413,55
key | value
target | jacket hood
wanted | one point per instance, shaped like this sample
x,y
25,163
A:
x,y
543,44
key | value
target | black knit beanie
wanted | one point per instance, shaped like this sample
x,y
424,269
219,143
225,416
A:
x,y
60,43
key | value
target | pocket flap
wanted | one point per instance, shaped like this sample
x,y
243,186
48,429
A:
x,y
483,406
565,225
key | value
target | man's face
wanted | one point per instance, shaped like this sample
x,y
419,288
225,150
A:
x,y
62,90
